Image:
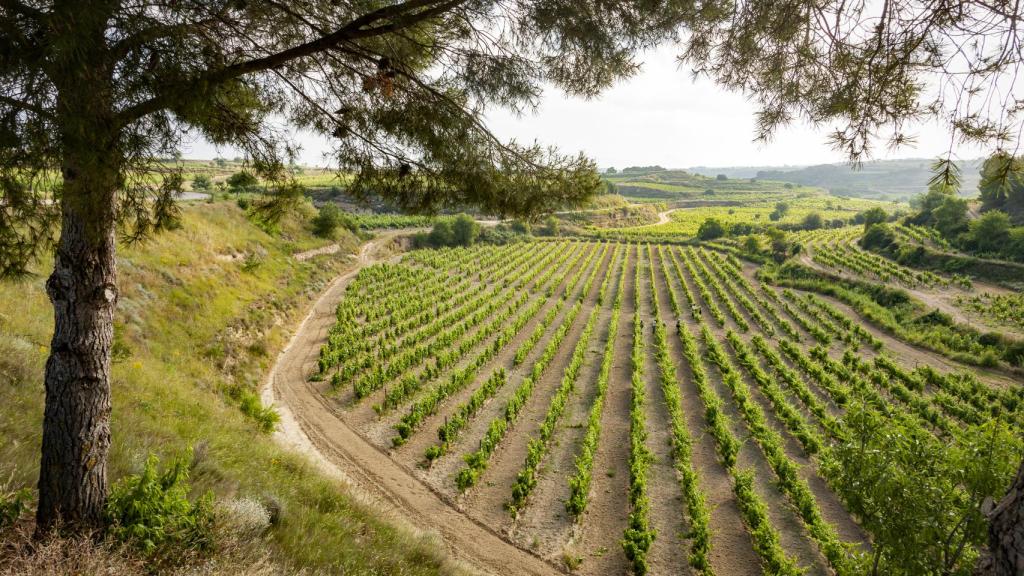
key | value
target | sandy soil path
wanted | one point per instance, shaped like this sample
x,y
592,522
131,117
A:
x,y
309,425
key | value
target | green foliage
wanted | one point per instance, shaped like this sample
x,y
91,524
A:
x,y
13,503
476,461
441,234
950,218
991,232
465,230
329,219
201,182
920,499
579,482
1002,185
812,221
878,237
781,209
639,534
243,181
781,246
521,226
893,310
872,216
941,209
550,226
265,416
710,229
152,511
752,245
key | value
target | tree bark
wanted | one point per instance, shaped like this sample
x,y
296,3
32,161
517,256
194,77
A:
x,y
1005,555
76,422
82,287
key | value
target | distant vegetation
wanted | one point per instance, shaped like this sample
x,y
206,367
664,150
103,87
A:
x,y
880,179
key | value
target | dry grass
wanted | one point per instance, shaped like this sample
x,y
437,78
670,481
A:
x,y
240,547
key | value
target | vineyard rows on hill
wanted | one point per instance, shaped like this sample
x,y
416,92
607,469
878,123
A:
x,y
650,408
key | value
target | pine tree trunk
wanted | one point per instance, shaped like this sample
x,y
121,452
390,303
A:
x,y
76,422
1005,556
82,287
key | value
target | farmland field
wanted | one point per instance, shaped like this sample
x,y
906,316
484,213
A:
x,y
630,406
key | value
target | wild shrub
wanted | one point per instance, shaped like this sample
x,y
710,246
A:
x,y
150,511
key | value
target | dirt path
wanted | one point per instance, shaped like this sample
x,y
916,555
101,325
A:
x,y
668,508
599,531
309,425
663,218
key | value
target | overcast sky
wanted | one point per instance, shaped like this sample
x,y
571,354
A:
x,y
660,116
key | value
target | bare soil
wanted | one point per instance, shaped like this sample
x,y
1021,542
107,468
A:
x,y
352,444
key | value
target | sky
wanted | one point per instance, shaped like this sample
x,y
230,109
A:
x,y
659,116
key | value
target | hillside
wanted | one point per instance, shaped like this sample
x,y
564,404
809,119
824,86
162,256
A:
x,y
879,179
203,312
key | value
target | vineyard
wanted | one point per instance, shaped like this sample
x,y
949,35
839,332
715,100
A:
x,y
616,407
838,250
1007,309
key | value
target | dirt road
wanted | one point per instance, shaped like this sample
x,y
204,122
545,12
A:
x,y
310,425
663,218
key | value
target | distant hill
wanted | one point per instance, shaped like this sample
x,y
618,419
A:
x,y
880,179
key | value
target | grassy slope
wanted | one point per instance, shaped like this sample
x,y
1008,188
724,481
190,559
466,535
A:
x,y
194,328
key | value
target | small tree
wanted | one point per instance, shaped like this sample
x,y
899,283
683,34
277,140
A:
x,y
875,215
991,232
781,209
780,244
441,234
878,237
751,245
812,221
721,177
465,230
551,226
243,181
950,218
710,229
329,218
201,182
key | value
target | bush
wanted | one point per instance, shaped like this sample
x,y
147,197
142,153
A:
x,y
243,517
442,234
152,510
873,216
265,416
878,237
465,230
710,229
813,221
521,226
781,209
329,219
242,181
991,232
201,182
751,245
551,226
13,503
